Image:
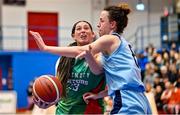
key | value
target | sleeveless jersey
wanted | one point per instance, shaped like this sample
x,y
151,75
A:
x,y
121,69
81,81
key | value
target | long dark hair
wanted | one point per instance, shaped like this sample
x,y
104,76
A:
x,y
64,69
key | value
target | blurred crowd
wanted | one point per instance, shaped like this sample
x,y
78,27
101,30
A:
x,y
161,76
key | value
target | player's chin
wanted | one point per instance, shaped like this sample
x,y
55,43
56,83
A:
x,y
84,42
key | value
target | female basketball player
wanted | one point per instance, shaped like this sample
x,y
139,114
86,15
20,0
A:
x,y
118,61
77,79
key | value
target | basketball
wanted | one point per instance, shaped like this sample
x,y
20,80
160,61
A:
x,y
47,89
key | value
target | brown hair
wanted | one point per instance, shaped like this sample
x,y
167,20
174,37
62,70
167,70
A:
x,y
119,14
64,70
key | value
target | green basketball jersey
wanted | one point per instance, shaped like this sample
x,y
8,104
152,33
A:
x,y
81,81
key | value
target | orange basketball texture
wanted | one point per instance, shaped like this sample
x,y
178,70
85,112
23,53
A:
x,y
47,88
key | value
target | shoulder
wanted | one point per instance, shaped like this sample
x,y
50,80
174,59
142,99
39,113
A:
x,y
106,40
110,36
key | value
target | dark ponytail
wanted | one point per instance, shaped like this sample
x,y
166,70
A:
x,y
64,70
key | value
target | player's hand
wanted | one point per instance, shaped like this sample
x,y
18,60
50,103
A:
x,y
41,104
39,41
88,96
85,54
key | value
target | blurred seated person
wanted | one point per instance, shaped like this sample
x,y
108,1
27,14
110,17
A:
x,y
172,99
29,95
150,96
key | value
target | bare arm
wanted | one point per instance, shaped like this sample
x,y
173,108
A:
x,y
102,94
63,51
105,44
93,96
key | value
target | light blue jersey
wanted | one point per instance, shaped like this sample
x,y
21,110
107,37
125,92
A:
x,y
122,70
123,78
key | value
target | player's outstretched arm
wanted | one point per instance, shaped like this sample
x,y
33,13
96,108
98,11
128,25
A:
x,y
104,44
63,51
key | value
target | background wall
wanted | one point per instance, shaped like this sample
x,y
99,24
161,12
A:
x,y
68,11
21,68
71,11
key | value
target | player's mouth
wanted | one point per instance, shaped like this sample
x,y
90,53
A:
x,y
83,37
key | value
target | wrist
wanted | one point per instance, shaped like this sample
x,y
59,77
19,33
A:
x,y
98,96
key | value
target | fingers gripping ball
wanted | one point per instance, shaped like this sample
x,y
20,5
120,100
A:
x,y
47,89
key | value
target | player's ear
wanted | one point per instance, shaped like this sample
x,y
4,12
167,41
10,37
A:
x,y
94,35
113,24
73,37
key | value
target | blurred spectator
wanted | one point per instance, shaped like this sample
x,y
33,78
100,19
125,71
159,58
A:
x,y
30,96
150,96
158,62
166,93
173,73
150,74
150,52
164,72
177,83
158,92
158,82
172,105
174,47
142,61
158,89
172,56
165,58
10,79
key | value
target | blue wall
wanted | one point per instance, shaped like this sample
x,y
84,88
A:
x,y
26,66
5,63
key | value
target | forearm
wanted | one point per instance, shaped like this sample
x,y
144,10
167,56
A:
x,y
94,66
102,94
64,51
